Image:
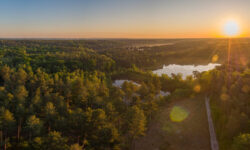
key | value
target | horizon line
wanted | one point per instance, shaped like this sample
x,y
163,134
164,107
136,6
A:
x,y
44,38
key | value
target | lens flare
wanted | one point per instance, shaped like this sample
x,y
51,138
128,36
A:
x,y
197,88
178,114
215,58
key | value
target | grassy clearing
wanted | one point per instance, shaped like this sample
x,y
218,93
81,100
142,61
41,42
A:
x,y
181,125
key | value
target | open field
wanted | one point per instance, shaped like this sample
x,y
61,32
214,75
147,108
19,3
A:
x,y
191,133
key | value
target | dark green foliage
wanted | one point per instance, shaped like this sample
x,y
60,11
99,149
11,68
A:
x,y
241,142
55,95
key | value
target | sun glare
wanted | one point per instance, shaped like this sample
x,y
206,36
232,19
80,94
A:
x,y
231,28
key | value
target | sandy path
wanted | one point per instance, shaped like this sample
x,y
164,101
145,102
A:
x,y
190,133
213,139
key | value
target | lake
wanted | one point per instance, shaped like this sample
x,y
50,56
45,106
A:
x,y
185,70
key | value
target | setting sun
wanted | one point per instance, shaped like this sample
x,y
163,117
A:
x,y
231,28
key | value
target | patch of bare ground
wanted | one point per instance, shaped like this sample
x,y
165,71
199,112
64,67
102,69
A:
x,y
189,133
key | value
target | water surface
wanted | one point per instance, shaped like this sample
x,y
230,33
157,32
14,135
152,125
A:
x,y
185,70
119,83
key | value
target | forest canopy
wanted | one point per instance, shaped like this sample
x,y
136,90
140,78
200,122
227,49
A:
x,y
57,94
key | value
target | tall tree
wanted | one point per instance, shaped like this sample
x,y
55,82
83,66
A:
x,y
33,124
7,122
50,113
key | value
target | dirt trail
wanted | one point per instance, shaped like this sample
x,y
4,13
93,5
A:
x,y
189,133
213,140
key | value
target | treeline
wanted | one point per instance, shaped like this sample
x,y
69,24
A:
x,y
184,52
53,56
146,55
125,53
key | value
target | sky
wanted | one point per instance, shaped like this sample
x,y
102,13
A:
x,y
121,18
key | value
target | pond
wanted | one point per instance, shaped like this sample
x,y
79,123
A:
x,y
119,83
185,70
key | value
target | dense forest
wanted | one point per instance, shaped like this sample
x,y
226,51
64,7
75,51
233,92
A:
x,y
145,54
58,94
